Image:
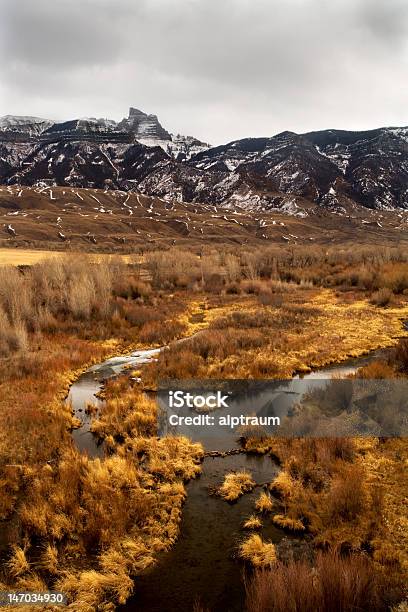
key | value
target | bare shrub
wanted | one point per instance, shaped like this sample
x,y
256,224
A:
x,y
252,265
376,370
81,296
270,299
156,332
174,363
173,267
102,280
285,588
137,314
338,584
128,287
400,356
214,283
253,286
346,497
13,336
15,295
232,268
233,289
34,300
348,583
395,277
335,397
382,297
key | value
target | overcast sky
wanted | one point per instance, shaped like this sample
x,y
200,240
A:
x,y
216,69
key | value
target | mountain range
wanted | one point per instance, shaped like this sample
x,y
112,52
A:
x,y
334,169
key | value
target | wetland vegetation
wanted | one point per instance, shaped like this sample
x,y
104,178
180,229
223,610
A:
x,y
97,527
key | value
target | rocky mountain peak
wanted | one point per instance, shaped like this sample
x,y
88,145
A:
x,y
144,127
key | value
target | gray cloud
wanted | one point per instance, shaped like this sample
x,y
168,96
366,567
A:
x,y
220,69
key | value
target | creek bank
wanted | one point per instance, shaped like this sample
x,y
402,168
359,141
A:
x,y
203,560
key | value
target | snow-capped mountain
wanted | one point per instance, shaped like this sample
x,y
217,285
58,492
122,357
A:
x,y
329,167
16,128
86,129
147,130
373,165
333,169
138,126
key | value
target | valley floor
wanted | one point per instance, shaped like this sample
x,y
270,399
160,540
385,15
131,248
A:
x,y
88,525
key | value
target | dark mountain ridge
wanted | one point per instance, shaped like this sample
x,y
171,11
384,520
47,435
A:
x,y
335,169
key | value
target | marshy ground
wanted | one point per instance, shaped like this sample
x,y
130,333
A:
x,y
89,525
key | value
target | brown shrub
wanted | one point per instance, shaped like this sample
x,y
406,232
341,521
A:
x,y
136,314
252,287
376,370
51,295
270,299
233,289
176,363
286,588
348,583
346,497
335,397
159,332
338,584
13,336
264,366
400,356
173,268
214,283
245,319
382,297
314,461
395,277
129,288
214,344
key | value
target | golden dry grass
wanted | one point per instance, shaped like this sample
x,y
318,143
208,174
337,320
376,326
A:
x,y
310,329
252,522
285,522
347,494
257,552
24,257
17,564
282,486
235,485
386,465
334,582
264,503
30,257
120,511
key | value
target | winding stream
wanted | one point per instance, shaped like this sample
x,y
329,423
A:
x,y
84,391
201,565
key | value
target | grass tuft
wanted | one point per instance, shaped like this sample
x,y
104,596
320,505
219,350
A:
x,y
257,552
235,485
